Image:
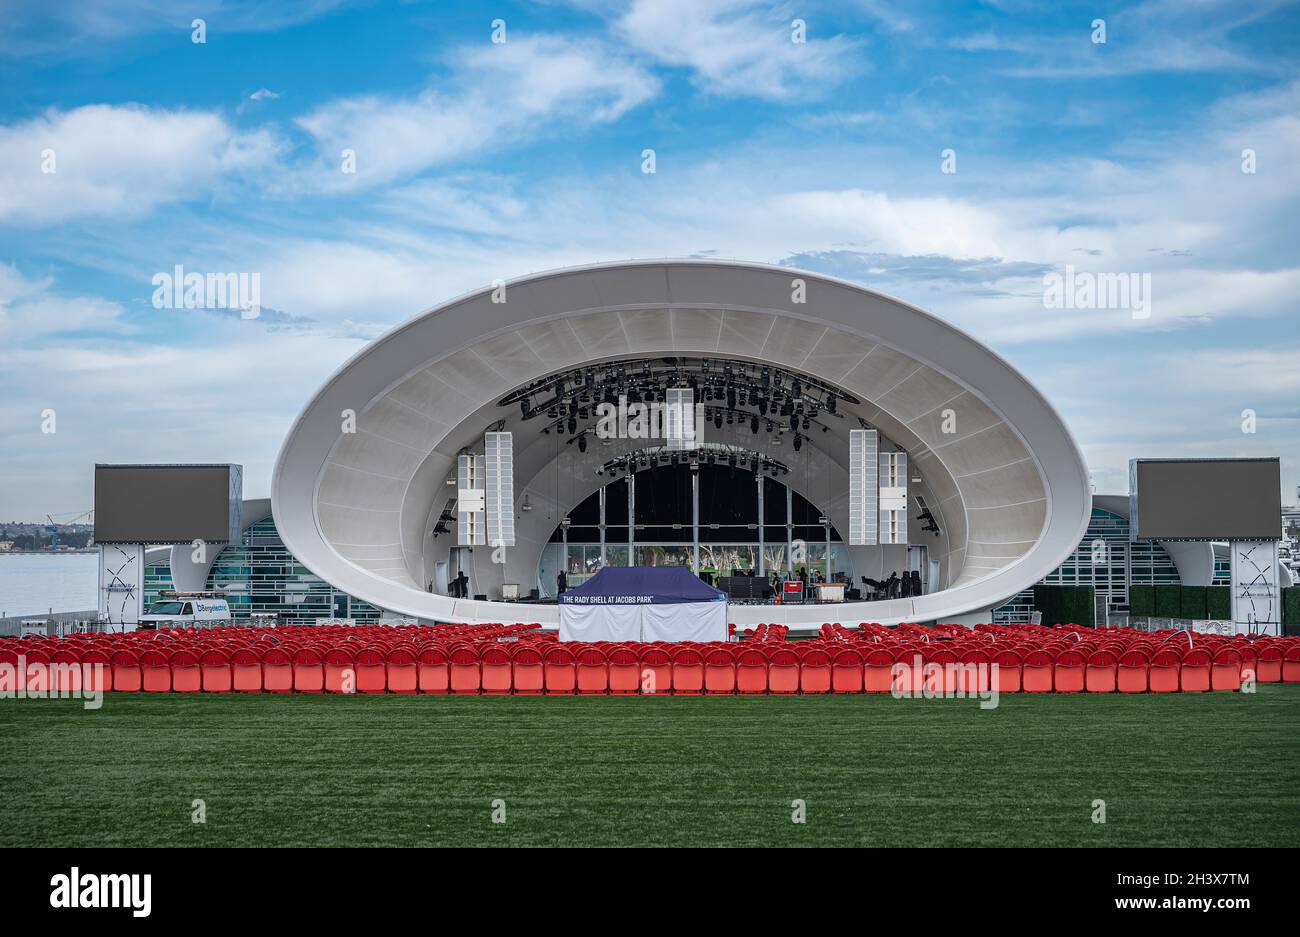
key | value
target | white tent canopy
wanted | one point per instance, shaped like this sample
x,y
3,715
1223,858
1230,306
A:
x,y
647,603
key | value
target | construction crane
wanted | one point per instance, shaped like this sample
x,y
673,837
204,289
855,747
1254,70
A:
x,y
53,528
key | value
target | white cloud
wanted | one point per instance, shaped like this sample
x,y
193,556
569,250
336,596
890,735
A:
x,y
117,161
738,47
81,27
1156,36
30,311
228,398
498,94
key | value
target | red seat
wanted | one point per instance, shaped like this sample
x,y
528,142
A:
x,y
401,669
125,666
340,670
815,672
782,671
65,668
973,674
245,670
907,671
495,670
308,665
1008,677
277,670
719,671
592,671
36,675
656,672
751,671
526,671
1102,672
624,671
688,672
371,670
1225,672
1068,671
1291,664
1036,671
97,671
465,675
1164,671
434,670
214,671
1249,659
12,678
560,670
155,671
846,671
941,672
877,671
1194,671
1133,673
186,675
1268,668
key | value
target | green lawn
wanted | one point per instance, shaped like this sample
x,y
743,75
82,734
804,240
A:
x,y
1203,769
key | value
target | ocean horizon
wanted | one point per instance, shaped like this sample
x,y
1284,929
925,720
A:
x,y
35,583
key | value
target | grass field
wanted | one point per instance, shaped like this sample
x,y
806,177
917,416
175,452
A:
x,y
1203,769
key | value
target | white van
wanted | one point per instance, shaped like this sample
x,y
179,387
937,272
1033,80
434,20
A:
x,y
185,611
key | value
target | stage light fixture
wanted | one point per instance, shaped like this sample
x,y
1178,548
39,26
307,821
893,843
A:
x,y
753,425
582,443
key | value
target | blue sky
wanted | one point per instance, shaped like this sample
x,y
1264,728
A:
x,y
479,160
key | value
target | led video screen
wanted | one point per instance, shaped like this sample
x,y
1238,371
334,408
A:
x,y
1206,499
162,504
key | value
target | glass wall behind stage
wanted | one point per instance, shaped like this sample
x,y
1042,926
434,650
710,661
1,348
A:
x,y
728,527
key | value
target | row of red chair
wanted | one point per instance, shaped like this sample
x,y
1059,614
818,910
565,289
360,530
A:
x,y
531,667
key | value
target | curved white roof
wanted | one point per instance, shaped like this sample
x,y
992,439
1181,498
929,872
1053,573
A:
x,y
1010,484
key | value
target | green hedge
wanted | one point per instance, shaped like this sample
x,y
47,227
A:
x,y
1169,601
1142,601
1291,605
1192,602
1218,603
1066,604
